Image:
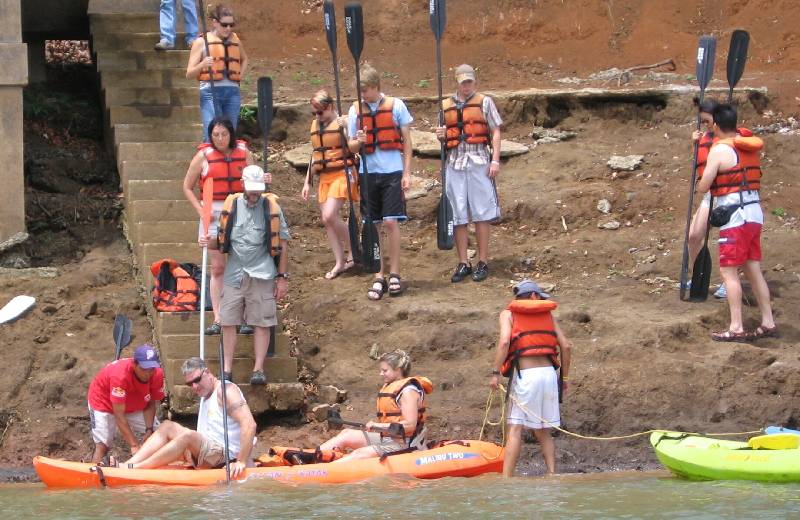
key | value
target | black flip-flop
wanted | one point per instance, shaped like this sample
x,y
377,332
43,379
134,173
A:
x,y
379,291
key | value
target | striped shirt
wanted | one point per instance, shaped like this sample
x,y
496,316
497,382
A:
x,y
460,156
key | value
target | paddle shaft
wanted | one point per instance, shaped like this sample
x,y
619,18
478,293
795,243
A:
x,y
224,411
443,201
208,53
203,301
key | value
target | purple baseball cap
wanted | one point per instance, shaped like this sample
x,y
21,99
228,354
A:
x,y
146,356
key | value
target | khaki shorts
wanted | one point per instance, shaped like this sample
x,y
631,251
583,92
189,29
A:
x,y
252,303
211,455
384,445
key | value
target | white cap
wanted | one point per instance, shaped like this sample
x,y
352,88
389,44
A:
x,y
253,178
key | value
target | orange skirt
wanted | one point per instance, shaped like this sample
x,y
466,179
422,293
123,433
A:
x,y
334,185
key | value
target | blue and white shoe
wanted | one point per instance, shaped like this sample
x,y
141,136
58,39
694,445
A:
x,y
721,292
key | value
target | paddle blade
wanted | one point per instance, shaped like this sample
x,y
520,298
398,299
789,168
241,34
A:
x,y
445,236
706,52
353,232
354,27
701,276
329,15
438,17
121,334
737,56
208,203
370,247
265,105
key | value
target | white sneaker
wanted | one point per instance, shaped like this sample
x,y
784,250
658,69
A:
x,y
721,292
164,45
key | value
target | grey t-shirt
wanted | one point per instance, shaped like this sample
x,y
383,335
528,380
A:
x,y
249,251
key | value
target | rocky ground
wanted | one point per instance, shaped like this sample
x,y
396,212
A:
x,y
642,358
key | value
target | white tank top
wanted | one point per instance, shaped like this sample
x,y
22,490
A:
x,y
210,425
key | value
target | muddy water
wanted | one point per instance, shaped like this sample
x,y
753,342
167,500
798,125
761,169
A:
x,y
624,495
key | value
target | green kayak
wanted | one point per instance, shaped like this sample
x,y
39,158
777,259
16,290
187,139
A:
x,y
703,458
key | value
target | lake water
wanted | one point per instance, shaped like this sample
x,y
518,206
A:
x,y
607,495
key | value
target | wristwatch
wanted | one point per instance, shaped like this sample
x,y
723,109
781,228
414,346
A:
x,y
285,276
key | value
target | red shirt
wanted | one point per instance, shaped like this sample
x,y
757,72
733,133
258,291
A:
x,y
117,383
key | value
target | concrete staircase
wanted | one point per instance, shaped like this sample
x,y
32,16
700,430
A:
x,y
152,122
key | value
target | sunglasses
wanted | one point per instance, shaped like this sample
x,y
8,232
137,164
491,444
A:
x,y
227,25
196,380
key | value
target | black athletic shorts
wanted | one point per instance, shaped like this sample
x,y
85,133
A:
x,y
386,198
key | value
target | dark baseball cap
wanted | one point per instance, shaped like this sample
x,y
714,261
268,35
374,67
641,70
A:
x,y
146,356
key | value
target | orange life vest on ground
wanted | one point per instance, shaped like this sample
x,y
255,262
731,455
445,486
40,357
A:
x,y
466,123
175,290
330,154
227,56
379,126
272,218
388,409
533,332
746,175
226,170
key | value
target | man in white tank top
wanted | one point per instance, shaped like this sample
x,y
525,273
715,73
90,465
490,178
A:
x,y
171,441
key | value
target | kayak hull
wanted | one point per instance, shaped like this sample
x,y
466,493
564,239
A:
x,y
703,458
463,459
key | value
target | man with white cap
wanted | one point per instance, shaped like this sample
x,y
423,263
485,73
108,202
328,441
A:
x,y
254,234
471,133
530,350
123,396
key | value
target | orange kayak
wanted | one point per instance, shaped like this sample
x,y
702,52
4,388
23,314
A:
x,y
455,459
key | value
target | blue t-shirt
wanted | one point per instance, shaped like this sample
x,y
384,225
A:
x,y
382,161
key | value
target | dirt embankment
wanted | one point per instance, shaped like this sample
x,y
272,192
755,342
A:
x,y
642,359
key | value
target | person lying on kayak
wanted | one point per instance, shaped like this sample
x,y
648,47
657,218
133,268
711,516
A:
x,y
171,441
400,400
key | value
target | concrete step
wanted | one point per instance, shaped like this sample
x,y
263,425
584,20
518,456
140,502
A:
x,y
124,23
154,190
184,322
156,133
171,151
140,41
141,60
152,170
141,232
182,346
154,115
146,79
181,252
175,96
277,369
124,7
272,397
159,210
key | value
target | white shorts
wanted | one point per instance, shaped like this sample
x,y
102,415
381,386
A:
x,y
472,194
706,202
537,390
104,425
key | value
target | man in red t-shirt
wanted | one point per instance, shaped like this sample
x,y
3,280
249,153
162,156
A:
x,y
124,395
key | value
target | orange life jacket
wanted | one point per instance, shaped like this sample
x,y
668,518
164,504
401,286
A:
x,y
175,290
226,170
746,175
379,126
227,56
285,456
271,217
533,332
704,147
330,153
466,123
388,409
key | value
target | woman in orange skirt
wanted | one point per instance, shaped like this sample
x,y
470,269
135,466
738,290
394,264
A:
x,y
332,162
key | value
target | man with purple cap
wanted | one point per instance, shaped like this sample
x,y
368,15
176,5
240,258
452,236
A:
x,y
530,350
123,396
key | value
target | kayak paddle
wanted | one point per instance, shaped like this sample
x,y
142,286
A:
x,y
352,222
704,71
202,17
701,272
264,87
224,411
445,238
122,333
208,203
370,245
394,429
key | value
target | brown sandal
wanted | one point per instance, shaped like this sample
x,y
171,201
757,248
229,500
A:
x,y
731,336
764,332
378,288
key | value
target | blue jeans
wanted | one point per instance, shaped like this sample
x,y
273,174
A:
x,y
228,104
167,20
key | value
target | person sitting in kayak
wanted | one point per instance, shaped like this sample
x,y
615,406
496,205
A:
x,y
171,441
400,400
